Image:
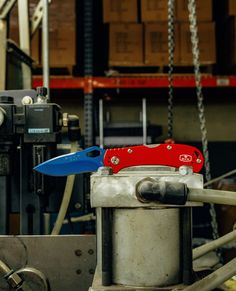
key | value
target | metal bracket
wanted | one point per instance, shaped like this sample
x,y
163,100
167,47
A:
x,y
5,7
37,17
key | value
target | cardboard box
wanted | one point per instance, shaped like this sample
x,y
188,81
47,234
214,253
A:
x,y
120,11
207,43
232,7
62,46
229,44
203,8
154,10
156,44
125,44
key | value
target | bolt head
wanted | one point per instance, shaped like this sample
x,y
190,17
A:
x,y
27,100
104,171
169,147
185,170
78,253
129,151
115,160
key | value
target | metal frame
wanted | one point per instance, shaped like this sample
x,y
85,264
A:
x,y
6,6
24,33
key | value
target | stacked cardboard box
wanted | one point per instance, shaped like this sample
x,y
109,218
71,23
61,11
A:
x,y
125,34
62,34
228,36
145,42
231,7
155,15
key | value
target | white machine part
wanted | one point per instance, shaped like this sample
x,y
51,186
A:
x,y
145,239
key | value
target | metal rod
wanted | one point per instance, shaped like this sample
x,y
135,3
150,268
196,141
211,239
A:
x,y
220,177
106,247
45,36
3,53
101,130
212,196
4,269
4,205
144,119
187,265
215,279
213,245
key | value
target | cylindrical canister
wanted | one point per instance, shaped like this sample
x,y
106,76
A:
x,y
146,247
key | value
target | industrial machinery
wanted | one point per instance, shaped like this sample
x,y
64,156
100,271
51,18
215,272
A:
x,y
143,197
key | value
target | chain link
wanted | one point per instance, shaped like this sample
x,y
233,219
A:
x,y
171,50
200,104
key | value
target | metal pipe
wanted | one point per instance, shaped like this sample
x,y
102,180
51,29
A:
x,y
45,37
215,279
144,119
212,196
215,244
101,133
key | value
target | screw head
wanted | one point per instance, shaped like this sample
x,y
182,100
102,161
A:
x,y
129,151
115,160
78,253
77,205
199,161
91,252
185,170
169,147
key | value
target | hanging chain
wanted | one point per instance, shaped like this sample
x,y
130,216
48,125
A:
x,y
171,50
201,110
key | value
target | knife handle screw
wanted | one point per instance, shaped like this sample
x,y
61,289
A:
x,y
199,161
115,160
169,147
129,151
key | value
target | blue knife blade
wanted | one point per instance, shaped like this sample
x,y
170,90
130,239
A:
x,y
88,160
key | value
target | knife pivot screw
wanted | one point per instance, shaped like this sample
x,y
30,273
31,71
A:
x,y
115,160
169,147
129,151
198,161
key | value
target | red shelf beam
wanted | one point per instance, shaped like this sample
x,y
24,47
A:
x,y
88,84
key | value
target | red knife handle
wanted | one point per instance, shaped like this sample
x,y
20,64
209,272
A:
x,y
172,155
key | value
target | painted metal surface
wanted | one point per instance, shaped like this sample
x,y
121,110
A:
x,y
88,84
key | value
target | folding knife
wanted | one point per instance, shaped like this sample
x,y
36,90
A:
x,y
90,159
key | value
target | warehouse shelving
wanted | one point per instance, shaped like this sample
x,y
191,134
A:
x,y
89,83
